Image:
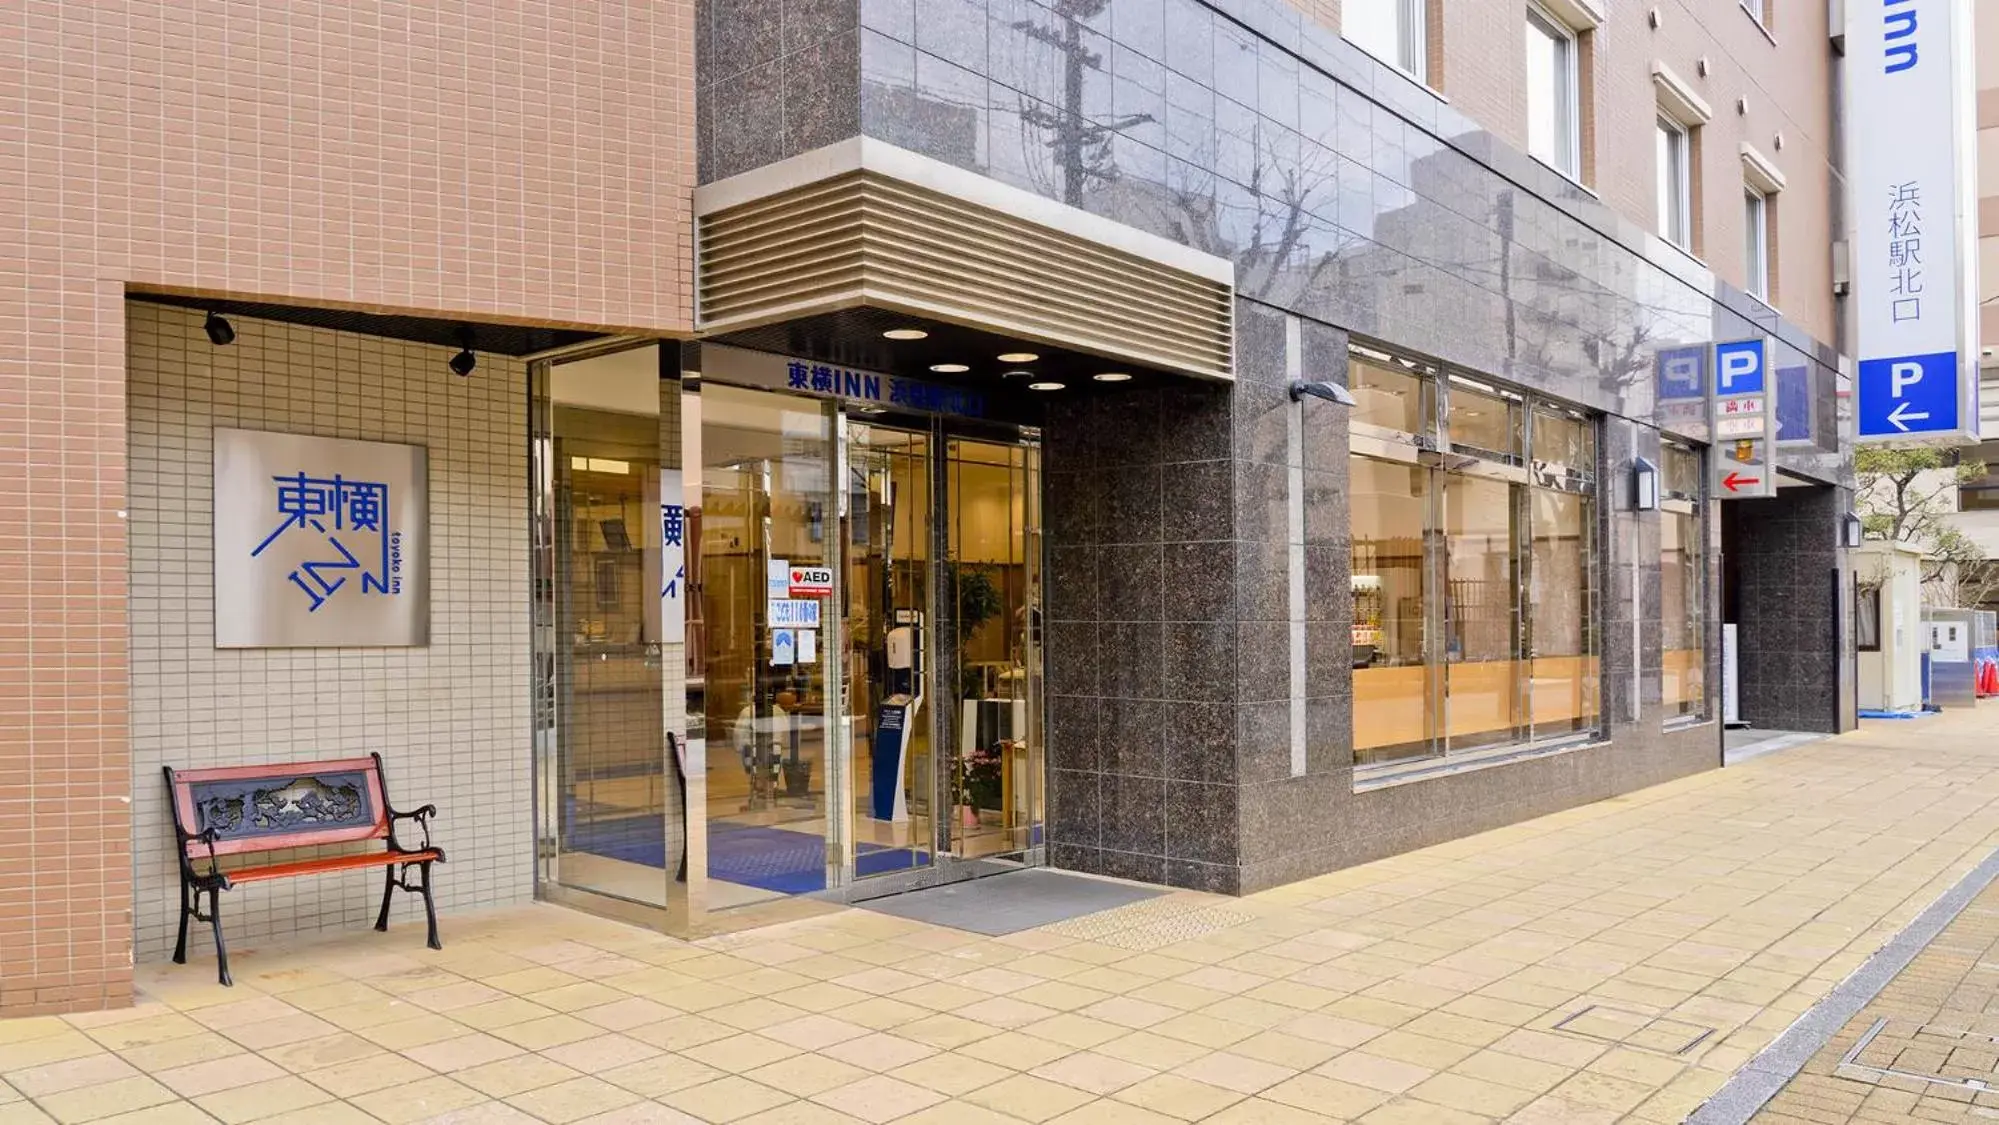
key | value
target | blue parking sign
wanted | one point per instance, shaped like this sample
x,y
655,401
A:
x,y
1683,373
1738,368
1908,395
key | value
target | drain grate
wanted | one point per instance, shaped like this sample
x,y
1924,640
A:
x,y
1150,925
1940,1056
1658,1034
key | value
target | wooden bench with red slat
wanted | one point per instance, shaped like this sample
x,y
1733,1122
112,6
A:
x,y
244,810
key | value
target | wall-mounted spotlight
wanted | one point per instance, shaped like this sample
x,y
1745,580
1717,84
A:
x,y
463,363
1644,485
1326,389
220,332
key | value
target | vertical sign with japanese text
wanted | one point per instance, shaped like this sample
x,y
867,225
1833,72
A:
x,y
319,542
672,558
1744,461
1914,265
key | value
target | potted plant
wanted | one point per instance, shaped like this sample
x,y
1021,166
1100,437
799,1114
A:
x,y
978,599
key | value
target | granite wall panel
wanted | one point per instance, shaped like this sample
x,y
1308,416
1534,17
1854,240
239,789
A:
x,y
1789,593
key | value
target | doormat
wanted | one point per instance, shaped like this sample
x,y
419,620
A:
x,y
1010,903
772,859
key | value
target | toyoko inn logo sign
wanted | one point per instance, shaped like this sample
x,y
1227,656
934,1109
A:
x,y
319,542
1915,268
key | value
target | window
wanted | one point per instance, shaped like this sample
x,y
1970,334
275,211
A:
x,y
1755,10
1867,618
1474,578
1675,182
1553,110
1682,585
1756,242
1390,30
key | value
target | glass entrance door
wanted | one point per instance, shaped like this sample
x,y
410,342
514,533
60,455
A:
x,y
768,541
609,796
892,622
780,650
992,577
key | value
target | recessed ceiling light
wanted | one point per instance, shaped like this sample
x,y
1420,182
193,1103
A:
x,y
1018,357
1045,386
948,368
1016,374
905,333
1112,377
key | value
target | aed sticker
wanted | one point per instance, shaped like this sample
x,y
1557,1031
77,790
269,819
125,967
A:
x,y
810,581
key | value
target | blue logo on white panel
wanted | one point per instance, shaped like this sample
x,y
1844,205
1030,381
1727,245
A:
x,y
1682,373
1739,368
1911,394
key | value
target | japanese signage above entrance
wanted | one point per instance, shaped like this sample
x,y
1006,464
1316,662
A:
x,y
868,389
319,542
1914,270
1744,461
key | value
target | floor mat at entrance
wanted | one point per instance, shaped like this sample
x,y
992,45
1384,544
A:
x,y
771,858
1010,903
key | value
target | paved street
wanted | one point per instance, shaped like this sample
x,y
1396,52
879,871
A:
x,y
1615,962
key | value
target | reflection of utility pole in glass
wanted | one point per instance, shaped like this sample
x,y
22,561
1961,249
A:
x,y
1081,145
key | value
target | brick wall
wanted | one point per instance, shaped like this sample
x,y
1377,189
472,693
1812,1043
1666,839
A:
x,y
521,160
450,719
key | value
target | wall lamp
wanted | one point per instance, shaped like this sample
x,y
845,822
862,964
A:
x,y
1644,485
1330,391
220,332
1851,530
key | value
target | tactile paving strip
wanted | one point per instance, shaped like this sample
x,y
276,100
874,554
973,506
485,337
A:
x,y
1151,925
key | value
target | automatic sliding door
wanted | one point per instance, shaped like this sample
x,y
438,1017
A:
x,y
609,796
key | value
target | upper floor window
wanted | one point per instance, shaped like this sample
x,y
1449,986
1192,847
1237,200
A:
x,y
1554,111
1675,182
1390,30
1756,242
1757,10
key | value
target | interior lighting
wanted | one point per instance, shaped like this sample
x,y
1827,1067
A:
x,y
949,368
1112,377
1045,386
220,332
1018,357
905,334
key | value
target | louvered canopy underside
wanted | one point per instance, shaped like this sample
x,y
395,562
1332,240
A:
x,y
862,238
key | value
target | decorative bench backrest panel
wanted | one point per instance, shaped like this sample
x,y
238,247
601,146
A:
x,y
263,808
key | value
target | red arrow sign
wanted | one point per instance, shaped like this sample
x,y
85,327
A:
x,y
1736,482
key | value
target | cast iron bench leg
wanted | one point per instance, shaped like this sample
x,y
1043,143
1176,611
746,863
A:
x,y
221,950
388,888
180,944
430,907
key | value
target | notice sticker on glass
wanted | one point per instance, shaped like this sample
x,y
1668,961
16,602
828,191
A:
x,y
808,646
777,579
794,613
783,647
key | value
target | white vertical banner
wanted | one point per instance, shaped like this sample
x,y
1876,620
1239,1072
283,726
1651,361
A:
x,y
672,559
1914,266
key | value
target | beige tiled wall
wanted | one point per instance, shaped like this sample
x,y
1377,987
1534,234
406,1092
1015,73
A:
x,y
450,719
521,160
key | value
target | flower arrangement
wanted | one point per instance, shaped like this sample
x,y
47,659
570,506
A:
x,y
977,785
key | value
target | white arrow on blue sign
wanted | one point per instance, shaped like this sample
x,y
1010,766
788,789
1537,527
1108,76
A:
x,y
1908,395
